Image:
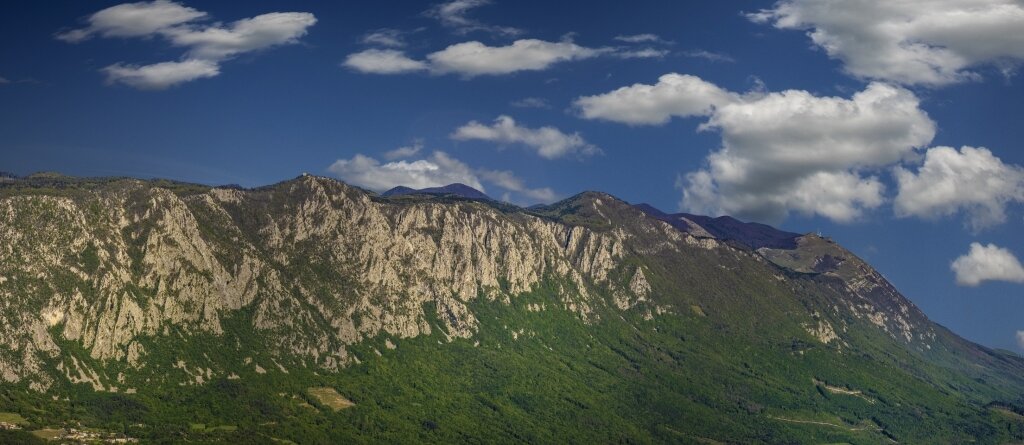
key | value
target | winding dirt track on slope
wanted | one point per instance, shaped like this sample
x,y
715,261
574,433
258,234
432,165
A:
x,y
816,422
845,427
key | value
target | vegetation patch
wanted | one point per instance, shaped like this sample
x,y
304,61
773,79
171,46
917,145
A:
x,y
1008,412
13,419
48,433
330,398
204,428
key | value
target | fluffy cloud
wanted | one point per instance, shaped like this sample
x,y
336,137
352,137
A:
x,y
140,19
471,59
206,45
404,152
435,171
454,14
972,180
921,42
383,61
678,95
840,196
549,142
251,34
159,76
438,169
987,263
1020,339
474,58
781,152
796,151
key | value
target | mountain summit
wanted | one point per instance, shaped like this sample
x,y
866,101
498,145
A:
x,y
753,235
455,189
310,311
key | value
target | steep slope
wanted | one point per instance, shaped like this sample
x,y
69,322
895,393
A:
x,y
868,296
127,261
150,307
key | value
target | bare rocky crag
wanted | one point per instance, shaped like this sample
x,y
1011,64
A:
x,y
110,264
151,265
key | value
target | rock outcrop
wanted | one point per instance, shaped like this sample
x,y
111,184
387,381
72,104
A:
x,y
320,264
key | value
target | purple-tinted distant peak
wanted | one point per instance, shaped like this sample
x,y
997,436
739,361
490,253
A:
x,y
456,189
753,235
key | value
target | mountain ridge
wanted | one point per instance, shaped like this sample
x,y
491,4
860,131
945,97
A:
x,y
752,234
130,291
453,189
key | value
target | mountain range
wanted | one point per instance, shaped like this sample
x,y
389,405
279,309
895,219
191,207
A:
x,y
456,189
311,311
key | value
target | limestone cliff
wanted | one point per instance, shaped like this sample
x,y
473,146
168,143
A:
x,y
121,261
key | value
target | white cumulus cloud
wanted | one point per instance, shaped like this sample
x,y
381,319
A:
x,y
471,59
678,95
475,58
251,34
383,61
206,45
914,42
987,263
140,19
438,170
1020,339
159,76
781,151
972,181
549,142
794,151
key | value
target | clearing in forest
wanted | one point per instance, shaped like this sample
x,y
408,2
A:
x,y
329,397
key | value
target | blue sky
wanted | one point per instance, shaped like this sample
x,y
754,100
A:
x,y
846,118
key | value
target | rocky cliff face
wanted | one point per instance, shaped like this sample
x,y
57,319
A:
x,y
320,264
106,267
